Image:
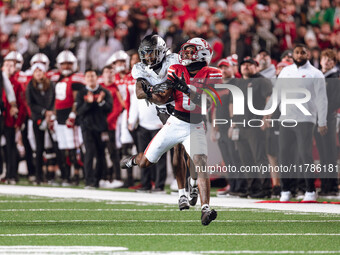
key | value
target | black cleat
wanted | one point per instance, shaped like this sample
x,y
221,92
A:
x,y
183,203
208,216
193,193
127,162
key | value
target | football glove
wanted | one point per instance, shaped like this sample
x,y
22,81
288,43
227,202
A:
x,y
147,88
179,84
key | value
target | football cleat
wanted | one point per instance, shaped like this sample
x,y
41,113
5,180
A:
x,y
285,196
127,162
193,193
208,216
183,203
310,196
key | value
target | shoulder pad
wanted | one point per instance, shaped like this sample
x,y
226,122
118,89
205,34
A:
x,y
172,58
138,70
78,77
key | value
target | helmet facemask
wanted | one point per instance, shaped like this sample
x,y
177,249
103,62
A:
x,y
150,56
199,51
152,50
68,70
188,54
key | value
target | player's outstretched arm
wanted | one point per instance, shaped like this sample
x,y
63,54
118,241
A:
x,y
181,85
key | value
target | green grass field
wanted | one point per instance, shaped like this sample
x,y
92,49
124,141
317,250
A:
x,y
40,221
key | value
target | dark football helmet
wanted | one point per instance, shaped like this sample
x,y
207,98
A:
x,y
152,50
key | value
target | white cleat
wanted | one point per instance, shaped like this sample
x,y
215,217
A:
x,y
310,196
115,184
285,196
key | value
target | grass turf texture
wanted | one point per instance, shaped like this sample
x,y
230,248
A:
x,y
18,216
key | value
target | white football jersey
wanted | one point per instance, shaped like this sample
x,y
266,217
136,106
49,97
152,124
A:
x,y
141,70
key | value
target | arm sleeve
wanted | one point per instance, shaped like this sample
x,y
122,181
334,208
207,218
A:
x,y
8,89
321,101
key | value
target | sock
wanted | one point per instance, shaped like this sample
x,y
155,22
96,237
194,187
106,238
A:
x,y
181,192
205,207
193,182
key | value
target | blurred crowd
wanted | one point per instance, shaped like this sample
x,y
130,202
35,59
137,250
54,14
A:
x,y
95,30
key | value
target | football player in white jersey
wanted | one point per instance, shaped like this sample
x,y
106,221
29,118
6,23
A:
x,y
186,125
152,70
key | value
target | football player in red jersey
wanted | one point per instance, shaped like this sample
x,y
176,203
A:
x,y
68,133
125,83
152,70
186,126
12,121
23,79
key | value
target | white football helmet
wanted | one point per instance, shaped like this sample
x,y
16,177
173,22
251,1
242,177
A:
x,y
17,57
119,55
67,56
152,50
40,58
202,53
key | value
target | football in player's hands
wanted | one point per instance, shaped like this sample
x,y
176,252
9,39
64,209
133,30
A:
x,y
161,87
179,84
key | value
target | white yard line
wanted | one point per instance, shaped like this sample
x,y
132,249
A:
x,y
161,199
26,249
169,221
171,234
223,252
5,250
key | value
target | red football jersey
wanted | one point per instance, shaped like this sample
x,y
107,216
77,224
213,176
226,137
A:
x,y
206,76
64,91
23,79
53,75
120,82
20,100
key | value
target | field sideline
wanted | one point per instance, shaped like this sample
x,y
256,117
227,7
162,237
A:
x,y
46,220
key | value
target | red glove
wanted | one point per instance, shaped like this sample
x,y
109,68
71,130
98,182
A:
x,y
71,120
